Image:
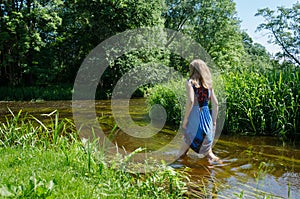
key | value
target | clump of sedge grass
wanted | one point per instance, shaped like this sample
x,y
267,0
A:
x,y
23,130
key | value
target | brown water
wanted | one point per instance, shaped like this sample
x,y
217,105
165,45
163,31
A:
x,y
251,166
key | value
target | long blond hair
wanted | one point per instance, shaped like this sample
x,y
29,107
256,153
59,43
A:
x,y
200,71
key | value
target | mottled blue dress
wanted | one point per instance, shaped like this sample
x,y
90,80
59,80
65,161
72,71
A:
x,y
199,132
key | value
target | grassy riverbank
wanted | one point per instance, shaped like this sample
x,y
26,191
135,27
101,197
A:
x,y
49,161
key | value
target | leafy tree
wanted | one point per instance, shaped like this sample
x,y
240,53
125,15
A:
x,y
27,29
217,29
87,23
179,13
45,41
283,25
213,23
256,57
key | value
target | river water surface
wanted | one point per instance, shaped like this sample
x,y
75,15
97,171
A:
x,y
251,167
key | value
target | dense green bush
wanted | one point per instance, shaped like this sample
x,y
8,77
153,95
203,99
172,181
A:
x,y
171,96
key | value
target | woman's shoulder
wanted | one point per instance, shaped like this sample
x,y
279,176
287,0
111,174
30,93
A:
x,y
189,82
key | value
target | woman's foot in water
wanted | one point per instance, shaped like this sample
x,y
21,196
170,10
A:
x,y
213,158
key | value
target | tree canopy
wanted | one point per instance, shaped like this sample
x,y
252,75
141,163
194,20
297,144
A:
x,y
283,25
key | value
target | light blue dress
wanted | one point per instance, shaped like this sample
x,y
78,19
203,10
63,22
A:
x,y
199,132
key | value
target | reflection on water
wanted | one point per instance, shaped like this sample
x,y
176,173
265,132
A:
x,y
251,167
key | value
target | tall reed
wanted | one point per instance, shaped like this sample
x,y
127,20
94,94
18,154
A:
x,y
263,102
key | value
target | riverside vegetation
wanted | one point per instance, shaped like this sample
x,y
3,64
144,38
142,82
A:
x,y
264,102
50,161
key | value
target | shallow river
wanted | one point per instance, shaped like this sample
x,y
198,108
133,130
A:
x,y
252,167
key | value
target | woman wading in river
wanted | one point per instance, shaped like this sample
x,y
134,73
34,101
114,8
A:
x,y
198,124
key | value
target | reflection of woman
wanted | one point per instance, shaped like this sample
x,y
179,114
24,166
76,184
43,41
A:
x,y
199,125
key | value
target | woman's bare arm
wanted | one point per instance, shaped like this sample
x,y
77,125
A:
x,y
189,102
215,108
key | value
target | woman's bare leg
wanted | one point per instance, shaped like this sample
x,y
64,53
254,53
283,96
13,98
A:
x,y
212,156
183,149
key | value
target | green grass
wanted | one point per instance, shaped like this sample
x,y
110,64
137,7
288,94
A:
x,y
49,161
38,173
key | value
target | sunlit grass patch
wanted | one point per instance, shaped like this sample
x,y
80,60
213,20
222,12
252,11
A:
x,y
41,160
